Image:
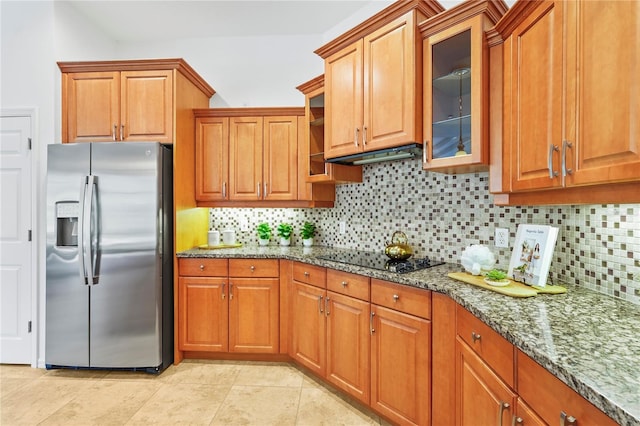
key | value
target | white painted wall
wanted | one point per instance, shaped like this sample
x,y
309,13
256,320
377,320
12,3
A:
x,y
244,71
34,35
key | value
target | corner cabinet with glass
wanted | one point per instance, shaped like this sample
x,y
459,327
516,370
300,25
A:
x,y
319,171
455,87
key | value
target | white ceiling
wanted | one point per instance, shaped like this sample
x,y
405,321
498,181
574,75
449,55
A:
x,y
158,20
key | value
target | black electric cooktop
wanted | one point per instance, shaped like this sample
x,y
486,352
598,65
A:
x,y
380,261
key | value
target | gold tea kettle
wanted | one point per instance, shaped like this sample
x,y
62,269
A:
x,y
398,249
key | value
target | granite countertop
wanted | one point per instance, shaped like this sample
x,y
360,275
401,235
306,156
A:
x,y
588,340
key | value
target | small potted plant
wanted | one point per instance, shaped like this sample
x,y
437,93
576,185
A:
x,y
496,277
284,231
307,233
264,233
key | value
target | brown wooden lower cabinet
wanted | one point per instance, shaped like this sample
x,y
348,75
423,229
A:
x,y
400,366
552,400
330,334
348,342
401,352
219,313
482,398
373,340
308,327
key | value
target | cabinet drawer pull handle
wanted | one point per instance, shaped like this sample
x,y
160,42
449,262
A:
x,y
565,170
364,136
503,406
355,137
320,304
258,188
201,267
344,283
122,132
326,306
395,297
475,336
566,419
223,290
265,190
224,190
424,151
552,173
372,330
115,127
230,291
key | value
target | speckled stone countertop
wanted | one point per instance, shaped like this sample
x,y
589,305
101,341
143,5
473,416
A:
x,y
588,340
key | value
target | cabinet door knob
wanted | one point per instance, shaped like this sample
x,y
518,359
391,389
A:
x,y
253,268
344,283
202,267
395,297
566,419
475,336
306,274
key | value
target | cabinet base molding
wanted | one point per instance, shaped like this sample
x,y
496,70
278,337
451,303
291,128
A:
x,y
617,193
234,356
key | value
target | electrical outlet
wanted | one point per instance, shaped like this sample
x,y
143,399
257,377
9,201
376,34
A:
x,y
342,227
501,237
244,224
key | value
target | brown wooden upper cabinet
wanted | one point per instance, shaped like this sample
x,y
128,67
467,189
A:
x,y
124,100
455,86
248,157
317,170
372,81
246,154
567,102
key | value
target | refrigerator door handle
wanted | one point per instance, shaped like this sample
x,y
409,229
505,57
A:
x,y
86,242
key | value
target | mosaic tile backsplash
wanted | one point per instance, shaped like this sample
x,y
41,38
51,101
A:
x,y
598,245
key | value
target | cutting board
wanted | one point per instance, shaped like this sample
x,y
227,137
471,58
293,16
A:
x,y
514,289
219,246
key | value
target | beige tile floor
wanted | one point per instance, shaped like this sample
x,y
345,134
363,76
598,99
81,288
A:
x,y
191,393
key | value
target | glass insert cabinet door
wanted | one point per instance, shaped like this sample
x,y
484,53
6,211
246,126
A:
x,y
454,74
451,97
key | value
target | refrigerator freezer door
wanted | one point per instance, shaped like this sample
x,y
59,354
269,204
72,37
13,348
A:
x,y
67,295
125,303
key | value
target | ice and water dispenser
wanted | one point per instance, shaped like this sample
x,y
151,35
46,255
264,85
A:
x,y
67,213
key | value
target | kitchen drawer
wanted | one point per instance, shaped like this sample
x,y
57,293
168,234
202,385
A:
x,y
348,284
401,298
203,267
247,268
310,274
494,349
549,397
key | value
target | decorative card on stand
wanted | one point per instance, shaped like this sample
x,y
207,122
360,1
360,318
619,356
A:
x,y
532,253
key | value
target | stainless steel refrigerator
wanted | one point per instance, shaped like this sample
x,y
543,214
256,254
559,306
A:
x,y
109,301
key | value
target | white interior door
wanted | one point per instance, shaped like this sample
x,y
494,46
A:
x,y
16,261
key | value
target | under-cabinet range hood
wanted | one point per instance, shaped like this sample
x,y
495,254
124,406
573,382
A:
x,y
397,153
